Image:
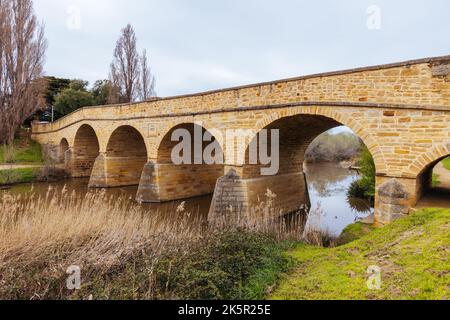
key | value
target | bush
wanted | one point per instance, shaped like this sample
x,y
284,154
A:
x,y
364,187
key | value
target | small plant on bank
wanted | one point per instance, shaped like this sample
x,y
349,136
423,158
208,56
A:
x,y
365,186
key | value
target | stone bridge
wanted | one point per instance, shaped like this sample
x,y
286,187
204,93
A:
x,y
401,111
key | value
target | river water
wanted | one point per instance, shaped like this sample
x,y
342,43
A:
x,y
327,185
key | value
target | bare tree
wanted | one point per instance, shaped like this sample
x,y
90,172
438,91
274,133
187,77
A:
x,y
147,85
125,67
22,54
130,74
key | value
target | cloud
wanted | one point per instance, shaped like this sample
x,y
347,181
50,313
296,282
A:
x,y
199,45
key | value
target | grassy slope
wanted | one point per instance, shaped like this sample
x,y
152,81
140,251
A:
x,y
26,152
23,175
413,253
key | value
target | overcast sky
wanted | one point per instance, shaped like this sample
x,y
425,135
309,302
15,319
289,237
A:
x,y
198,45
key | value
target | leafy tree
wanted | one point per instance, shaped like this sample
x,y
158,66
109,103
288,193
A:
x,y
79,85
334,148
54,87
101,91
74,97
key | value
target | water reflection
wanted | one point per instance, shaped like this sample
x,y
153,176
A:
x,y
327,186
79,188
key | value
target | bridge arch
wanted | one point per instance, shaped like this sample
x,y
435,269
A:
x,y
188,176
86,149
166,133
124,160
339,118
422,163
285,180
424,178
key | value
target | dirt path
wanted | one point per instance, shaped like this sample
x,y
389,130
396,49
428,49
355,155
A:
x,y
444,175
18,166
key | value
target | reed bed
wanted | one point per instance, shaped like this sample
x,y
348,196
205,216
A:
x,y
42,236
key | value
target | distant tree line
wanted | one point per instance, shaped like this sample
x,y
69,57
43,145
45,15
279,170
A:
x,y
334,148
130,80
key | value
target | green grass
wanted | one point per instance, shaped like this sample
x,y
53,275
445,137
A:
x,y
14,176
26,151
354,232
446,163
435,180
413,254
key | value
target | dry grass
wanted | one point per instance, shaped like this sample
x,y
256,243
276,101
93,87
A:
x,y
40,237
62,230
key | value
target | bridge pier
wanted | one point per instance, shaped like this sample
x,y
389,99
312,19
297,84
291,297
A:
x,y
395,197
162,182
237,198
110,172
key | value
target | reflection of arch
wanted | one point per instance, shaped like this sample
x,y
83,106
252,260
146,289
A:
x,y
126,155
63,148
85,151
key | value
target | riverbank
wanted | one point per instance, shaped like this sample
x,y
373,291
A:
x,y
21,162
125,252
412,255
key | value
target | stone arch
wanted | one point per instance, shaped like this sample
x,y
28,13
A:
x,y
137,130
422,169
287,182
126,155
430,158
167,131
63,148
86,149
339,117
166,180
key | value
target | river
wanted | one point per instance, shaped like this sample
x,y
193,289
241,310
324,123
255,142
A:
x,y
327,185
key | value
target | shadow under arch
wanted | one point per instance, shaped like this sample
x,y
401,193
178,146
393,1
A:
x,y
183,172
433,184
124,160
86,149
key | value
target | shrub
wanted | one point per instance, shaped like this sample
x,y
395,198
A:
x,y
364,187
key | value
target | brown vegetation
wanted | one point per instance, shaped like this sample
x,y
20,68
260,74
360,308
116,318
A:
x,y
22,52
108,238
130,74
